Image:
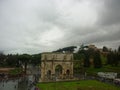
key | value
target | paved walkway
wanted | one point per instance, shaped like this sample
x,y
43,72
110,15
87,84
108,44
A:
x,y
17,84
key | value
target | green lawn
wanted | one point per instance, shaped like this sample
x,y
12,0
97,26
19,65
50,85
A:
x,y
77,85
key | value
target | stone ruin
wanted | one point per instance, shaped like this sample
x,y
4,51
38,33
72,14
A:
x,y
56,66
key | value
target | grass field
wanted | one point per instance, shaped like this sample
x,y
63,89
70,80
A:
x,y
77,85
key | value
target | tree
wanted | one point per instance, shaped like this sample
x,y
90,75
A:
x,y
118,55
113,58
35,59
2,59
66,49
119,49
86,60
82,48
105,49
91,52
97,60
25,59
85,53
110,58
78,56
11,60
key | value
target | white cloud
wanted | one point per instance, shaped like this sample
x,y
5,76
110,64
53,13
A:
x,y
77,14
51,36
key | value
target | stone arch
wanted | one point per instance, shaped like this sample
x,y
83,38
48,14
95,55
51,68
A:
x,y
56,65
58,70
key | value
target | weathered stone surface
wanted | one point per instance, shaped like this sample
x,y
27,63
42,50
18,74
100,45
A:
x,y
51,61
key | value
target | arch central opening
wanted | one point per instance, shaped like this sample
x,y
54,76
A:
x,y
58,71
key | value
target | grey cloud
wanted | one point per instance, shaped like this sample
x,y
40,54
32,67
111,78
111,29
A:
x,y
110,13
27,26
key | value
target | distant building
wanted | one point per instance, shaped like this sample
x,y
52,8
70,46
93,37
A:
x,y
99,49
92,47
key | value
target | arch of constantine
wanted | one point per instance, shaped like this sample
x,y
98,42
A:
x,y
56,66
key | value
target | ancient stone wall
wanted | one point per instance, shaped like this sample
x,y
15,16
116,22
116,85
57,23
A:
x,y
51,64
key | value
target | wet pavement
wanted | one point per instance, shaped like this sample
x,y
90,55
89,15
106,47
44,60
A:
x,y
25,83
22,83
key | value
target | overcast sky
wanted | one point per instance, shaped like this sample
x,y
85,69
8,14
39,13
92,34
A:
x,y
35,26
